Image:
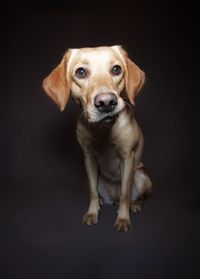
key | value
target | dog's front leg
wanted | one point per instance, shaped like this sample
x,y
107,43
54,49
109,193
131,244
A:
x,y
91,217
127,166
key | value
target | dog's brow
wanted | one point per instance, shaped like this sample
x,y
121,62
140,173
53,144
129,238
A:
x,y
114,61
84,61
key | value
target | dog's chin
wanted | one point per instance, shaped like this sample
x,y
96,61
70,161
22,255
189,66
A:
x,y
108,120
105,120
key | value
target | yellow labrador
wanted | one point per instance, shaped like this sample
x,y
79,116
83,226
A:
x,y
105,82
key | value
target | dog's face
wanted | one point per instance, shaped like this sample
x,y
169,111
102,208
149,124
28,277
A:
x,y
96,78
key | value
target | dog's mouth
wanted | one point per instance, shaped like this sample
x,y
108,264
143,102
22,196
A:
x,y
108,119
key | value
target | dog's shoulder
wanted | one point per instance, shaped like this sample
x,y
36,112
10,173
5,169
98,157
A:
x,y
126,131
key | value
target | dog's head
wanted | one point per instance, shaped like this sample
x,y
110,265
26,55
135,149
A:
x,y
96,78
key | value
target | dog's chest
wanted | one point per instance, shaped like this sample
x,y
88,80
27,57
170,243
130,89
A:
x,y
108,161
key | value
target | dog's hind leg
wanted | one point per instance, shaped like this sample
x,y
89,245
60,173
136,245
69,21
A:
x,y
141,189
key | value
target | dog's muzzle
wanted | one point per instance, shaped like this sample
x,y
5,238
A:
x,y
106,103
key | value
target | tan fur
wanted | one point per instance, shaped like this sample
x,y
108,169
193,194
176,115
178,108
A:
x,y
112,151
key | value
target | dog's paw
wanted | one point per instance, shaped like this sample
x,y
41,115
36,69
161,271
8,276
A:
x,y
90,219
136,206
122,224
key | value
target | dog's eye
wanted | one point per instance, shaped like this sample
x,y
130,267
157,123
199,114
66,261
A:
x,y
116,70
81,73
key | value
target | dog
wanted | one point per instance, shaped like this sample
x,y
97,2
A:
x,y
105,82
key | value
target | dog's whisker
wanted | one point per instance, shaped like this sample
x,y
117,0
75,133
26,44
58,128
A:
x,y
83,113
127,104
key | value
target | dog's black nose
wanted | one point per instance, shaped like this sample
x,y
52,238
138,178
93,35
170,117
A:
x,y
105,102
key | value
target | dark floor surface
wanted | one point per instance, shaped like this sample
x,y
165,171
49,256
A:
x,y
43,189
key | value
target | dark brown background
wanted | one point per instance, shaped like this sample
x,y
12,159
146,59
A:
x,y
43,184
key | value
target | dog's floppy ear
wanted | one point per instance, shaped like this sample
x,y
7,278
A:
x,y
57,84
134,77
